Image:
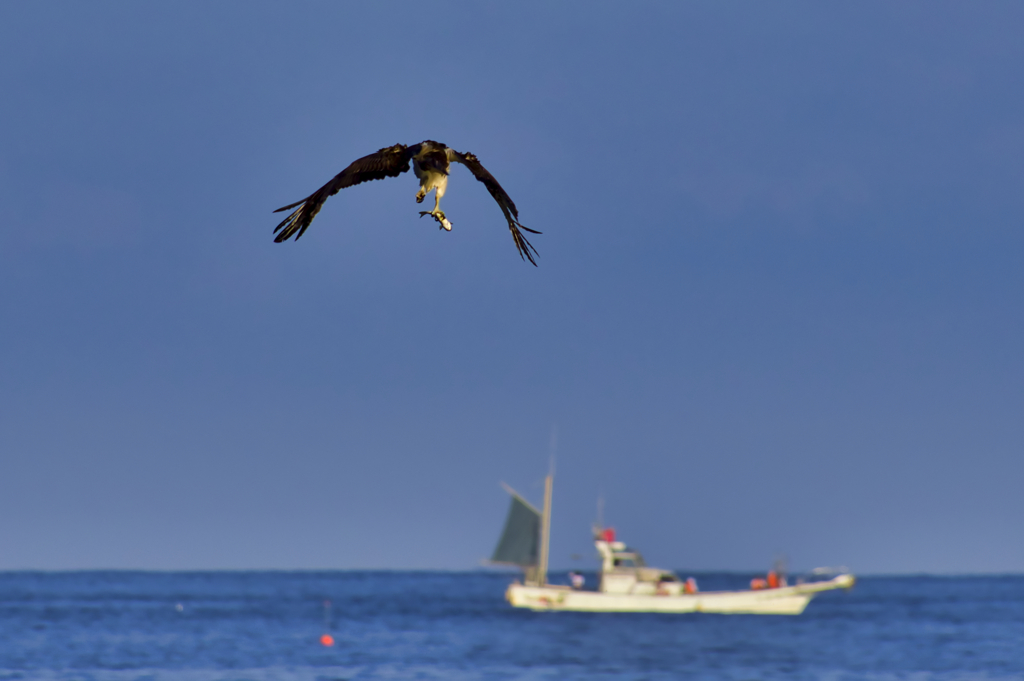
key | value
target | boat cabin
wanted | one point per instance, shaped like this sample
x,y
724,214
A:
x,y
623,570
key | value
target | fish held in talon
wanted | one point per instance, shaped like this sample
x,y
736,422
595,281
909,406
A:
x,y
439,216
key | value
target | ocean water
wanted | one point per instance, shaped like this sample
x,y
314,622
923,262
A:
x,y
444,625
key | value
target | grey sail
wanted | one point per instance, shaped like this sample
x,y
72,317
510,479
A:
x,y
521,536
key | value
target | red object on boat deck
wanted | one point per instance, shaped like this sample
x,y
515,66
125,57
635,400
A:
x,y
758,583
609,534
773,579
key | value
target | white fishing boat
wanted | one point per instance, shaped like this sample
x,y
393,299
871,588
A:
x,y
626,583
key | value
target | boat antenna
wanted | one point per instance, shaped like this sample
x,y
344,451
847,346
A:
x,y
545,533
781,563
552,449
545,522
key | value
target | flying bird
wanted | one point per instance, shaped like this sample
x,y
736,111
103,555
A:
x,y
430,161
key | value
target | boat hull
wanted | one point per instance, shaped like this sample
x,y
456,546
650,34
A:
x,y
790,600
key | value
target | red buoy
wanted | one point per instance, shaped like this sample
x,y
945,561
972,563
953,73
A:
x,y
327,640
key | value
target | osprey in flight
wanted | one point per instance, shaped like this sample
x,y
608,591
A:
x,y
430,162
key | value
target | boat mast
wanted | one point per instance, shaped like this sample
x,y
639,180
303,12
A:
x,y
545,533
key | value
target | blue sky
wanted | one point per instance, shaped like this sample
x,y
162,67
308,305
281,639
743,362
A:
x,y
778,308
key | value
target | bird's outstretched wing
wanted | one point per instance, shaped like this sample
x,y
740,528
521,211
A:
x,y
388,162
504,202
